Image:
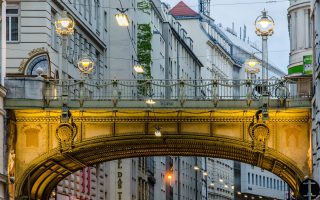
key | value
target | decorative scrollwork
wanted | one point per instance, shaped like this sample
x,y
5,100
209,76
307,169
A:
x,y
259,133
65,134
282,92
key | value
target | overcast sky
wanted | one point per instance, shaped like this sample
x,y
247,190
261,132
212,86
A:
x,y
245,12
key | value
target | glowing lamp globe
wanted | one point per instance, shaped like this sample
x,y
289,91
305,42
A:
x,y
86,65
150,102
138,69
252,66
65,25
264,25
122,19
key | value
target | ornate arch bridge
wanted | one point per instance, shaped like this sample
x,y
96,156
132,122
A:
x,y
57,127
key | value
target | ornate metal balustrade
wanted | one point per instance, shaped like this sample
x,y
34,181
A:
x,y
162,90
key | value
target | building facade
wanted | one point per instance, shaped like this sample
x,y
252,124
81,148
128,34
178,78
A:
x,y
4,177
177,179
315,18
243,49
210,45
31,47
171,57
257,183
219,182
300,32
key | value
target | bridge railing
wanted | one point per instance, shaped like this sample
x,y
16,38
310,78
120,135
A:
x,y
48,89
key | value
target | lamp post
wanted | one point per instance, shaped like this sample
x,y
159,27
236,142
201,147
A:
x,y
264,27
64,27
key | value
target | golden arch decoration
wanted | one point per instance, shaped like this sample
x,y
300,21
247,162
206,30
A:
x,y
105,136
32,55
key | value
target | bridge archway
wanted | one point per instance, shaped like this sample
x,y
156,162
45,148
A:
x,y
103,137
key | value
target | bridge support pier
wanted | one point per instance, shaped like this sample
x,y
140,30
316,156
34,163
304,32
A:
x,y
3,151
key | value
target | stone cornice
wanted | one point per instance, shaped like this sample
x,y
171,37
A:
x,y
161,119
38,119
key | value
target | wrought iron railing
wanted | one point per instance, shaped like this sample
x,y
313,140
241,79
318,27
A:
x,y
38,88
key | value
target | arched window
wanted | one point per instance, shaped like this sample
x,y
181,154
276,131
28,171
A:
x,y
40,61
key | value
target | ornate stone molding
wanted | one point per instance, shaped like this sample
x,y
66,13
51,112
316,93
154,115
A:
x,y
31,55
162,119
38,119
184,119
65,134
259,134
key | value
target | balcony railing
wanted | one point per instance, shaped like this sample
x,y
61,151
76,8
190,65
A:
x,y
39,88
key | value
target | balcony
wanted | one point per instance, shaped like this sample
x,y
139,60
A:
x,y
31,92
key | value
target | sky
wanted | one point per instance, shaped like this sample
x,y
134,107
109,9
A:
x,y
245,12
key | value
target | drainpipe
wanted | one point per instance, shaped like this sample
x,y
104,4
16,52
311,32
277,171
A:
x,y
3,135
3,40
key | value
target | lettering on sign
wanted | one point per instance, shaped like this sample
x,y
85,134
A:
x,y
166,103
119,195
119,164
119,179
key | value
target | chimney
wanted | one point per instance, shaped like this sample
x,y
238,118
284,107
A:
x,y
240,33
244,33
232,26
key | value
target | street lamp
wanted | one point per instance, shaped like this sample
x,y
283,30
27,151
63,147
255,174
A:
x,y
252,66
64,27
139,69
196,167
122,18
86,65
264,27
150,101
157,132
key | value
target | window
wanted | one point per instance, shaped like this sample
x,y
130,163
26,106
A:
x,y
41,61
75,3
70,47
54,36
90,11
97,15
76,46
12,24
105,21
86,9
252,180
99,73
260,184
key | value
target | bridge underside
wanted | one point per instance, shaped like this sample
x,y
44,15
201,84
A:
x,y
48,148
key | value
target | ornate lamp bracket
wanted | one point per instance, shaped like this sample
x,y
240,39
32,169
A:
x,y
66,131
259,133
